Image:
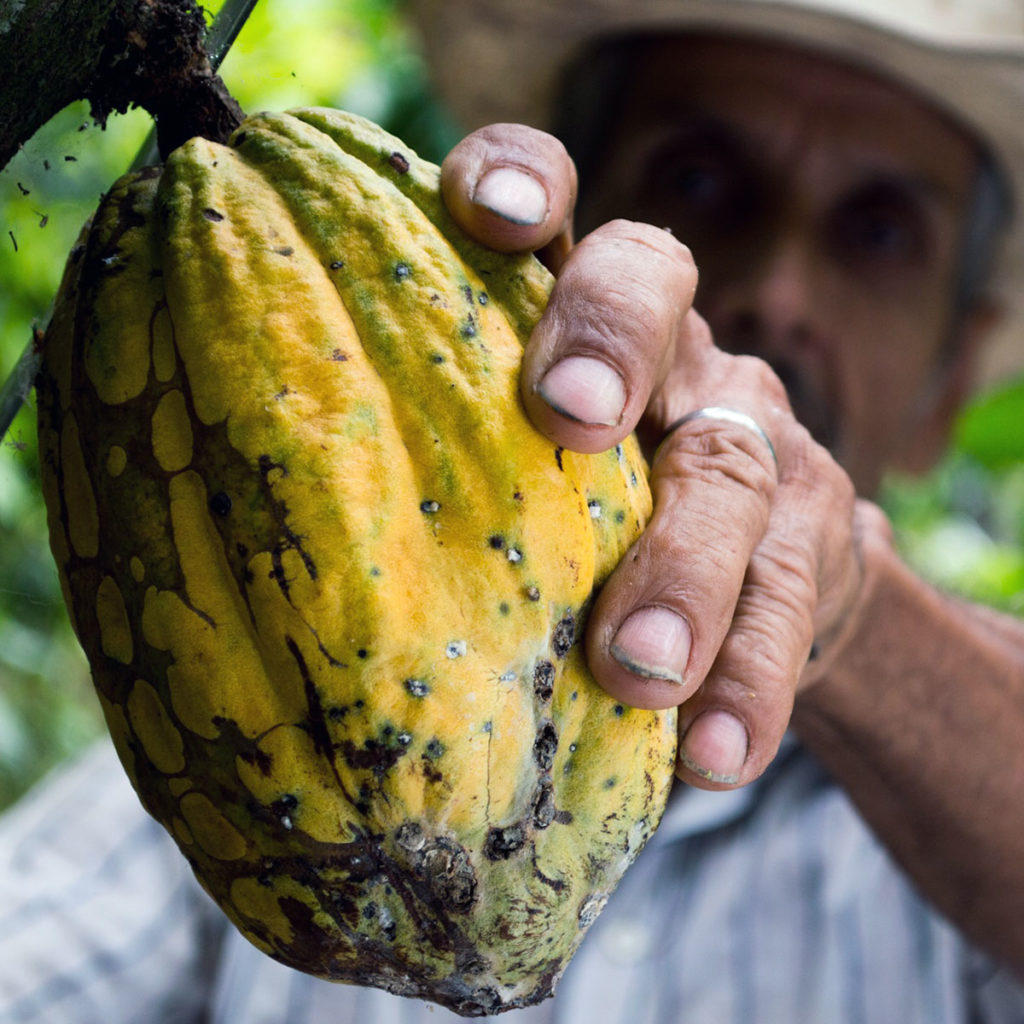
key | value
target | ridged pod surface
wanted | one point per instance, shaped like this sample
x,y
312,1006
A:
x,y
329,579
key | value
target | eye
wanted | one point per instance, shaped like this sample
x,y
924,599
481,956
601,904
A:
x,y
883,225
699,184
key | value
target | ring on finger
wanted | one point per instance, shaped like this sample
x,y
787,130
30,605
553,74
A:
x,y
718,412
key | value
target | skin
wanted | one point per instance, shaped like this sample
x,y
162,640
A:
x,y
836,284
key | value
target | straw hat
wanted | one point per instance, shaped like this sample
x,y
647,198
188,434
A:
x,y
501,60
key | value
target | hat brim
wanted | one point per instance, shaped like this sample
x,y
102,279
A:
x,y
503,61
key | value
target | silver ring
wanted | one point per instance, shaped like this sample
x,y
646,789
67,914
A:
x,y
718,412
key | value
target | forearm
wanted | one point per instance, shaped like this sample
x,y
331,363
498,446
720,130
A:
x,y
920,716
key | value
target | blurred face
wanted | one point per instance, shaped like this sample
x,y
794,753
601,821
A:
x,y
824,210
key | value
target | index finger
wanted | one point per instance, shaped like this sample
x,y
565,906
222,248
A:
x,y
513,189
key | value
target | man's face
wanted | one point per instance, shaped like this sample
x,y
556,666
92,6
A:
x,y
824,210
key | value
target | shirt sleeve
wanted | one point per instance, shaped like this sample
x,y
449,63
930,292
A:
x,y
101,919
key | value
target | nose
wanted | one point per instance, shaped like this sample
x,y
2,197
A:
x,y
775,306
766,306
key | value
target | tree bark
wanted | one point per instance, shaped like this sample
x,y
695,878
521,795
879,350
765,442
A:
x,y
115,54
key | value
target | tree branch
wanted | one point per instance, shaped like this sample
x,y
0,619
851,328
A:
x,y
116,54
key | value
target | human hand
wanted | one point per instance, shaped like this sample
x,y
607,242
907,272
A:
x,y
750,566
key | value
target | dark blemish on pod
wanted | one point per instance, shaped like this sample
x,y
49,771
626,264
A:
x,y
359,704
337,265
544,680
564,635
283,808
619,710
468,329
544,806
468,292
429,506
267,465
470,962
610,783
545,746
220,504
416,687
210,214
532,594
434,749
504,608
501,843
285,250
437,358
620,517
632,479
558,458
590,908
374,571
362,653
338,356
399,162
449,873
243,551
482,298
485,1003
496,541
402,271
410,837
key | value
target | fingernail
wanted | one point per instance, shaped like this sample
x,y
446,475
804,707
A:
x,y
715,747
584,389
653,643
512,194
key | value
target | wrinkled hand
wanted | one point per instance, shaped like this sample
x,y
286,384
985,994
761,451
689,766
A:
x,y
749,566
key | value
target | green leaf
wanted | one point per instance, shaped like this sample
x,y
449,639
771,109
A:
x,y
991,431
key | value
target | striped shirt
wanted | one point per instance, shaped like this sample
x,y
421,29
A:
x,y
772,904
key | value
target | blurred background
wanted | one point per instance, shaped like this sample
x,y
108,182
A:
x,y
963,526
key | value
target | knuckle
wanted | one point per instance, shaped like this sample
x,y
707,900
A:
x,y
713,453
757,375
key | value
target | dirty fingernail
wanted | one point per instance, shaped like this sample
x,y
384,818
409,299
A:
x,y
584,389
715,747
653,643
513,195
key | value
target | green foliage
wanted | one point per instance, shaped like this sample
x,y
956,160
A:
x,y
992,431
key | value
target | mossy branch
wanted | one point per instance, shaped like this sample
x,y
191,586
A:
x,y
115,54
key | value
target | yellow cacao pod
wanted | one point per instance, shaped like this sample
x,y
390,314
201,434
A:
x,y
329,579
